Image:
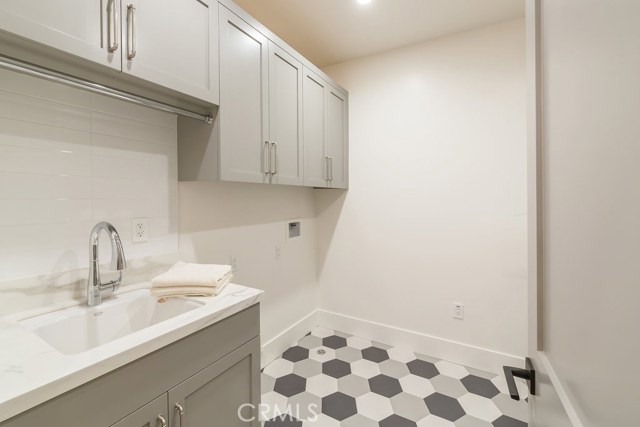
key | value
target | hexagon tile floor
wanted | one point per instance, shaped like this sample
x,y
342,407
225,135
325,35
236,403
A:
x,y
331,379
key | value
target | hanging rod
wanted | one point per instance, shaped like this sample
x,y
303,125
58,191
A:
x,y
65,79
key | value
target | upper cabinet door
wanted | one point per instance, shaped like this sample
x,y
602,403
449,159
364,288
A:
x,y
336,146
285,112
313,110
244,101
173,44
86,28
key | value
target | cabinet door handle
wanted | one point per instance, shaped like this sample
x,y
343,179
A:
x,y
275,158
131,31
180,410
326,169
161,422
330,169
112,26
266,158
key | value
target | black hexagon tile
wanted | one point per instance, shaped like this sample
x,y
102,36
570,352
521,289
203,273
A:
x,y
375,354
283,421
385,385
290,385
336,368
480,386
505,421
296,354
444,406
423,368
334,341
339,406
397,421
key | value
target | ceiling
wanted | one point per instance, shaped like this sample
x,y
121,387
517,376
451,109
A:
x,y
332,31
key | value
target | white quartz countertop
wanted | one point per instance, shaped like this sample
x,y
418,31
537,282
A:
x,y
32,372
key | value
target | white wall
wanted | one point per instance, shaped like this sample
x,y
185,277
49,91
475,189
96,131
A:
x,y
248,221
436,210
69,159
591,102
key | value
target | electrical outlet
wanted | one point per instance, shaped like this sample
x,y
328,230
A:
x,y
140,230
278,252
458,311
233,261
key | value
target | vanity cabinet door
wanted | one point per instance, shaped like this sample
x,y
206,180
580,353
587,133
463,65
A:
x,y
153,414
85,28
214,395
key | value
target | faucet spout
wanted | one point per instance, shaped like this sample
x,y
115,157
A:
x,y
95,288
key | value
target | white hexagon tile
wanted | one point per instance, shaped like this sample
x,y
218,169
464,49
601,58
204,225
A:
x,y
332,379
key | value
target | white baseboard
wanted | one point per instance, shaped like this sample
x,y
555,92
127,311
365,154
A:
x,y
276,346
463,354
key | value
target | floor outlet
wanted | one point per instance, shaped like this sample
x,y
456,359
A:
x,y
458,311
140,230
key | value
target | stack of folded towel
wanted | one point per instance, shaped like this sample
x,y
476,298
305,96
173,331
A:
x,y
185,279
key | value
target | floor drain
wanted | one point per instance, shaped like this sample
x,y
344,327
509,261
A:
x,y
322,351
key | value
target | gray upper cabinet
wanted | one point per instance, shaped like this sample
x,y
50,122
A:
x,y
285,112
153,414
260,107
86,28
244,106
173,44
325,130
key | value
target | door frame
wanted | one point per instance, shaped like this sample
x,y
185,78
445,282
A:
x,y
551,398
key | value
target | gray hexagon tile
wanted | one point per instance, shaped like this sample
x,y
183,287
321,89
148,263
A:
x,y
448,386
409,406
350,381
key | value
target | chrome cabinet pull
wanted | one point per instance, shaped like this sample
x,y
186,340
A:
x,y
275,158
325,174
131,31
178,407
112,26
266,158
161,422
330,169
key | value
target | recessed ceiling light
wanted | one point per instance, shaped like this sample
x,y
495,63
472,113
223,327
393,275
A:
x,y
364,1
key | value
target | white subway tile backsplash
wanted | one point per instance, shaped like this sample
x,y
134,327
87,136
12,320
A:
x,y
39,186
134,129
69,159
37,110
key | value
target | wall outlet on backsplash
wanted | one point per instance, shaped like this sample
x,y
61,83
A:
x,y
140,230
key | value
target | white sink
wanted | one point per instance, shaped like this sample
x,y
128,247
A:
x,y
77,329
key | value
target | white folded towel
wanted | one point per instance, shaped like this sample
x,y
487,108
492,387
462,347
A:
x,y
186,279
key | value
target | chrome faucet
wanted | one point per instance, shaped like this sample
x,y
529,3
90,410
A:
x,y
95,288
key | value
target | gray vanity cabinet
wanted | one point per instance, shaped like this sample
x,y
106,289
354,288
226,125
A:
x,y
214,395
153,414
209,373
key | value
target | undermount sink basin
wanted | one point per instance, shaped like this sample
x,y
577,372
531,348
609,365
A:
x,y
77,329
